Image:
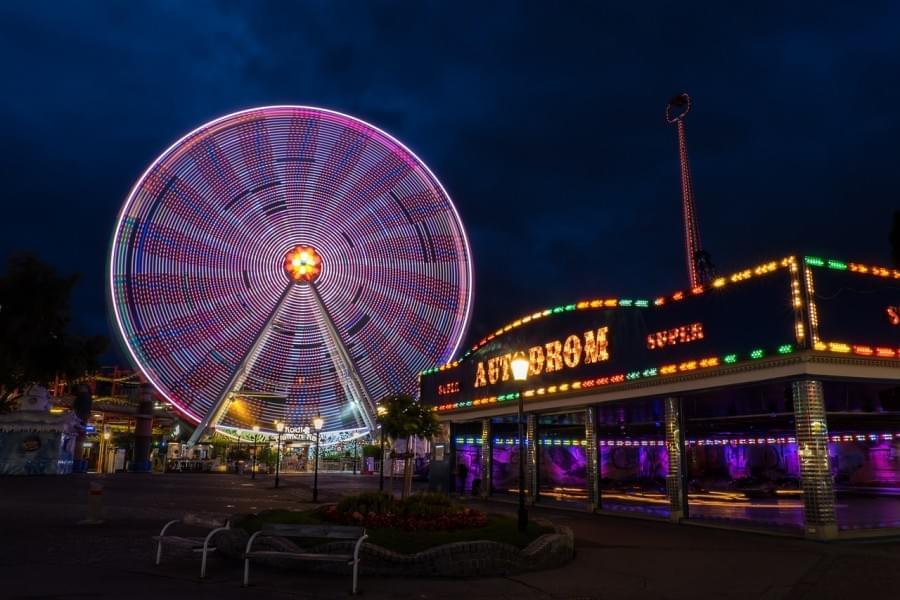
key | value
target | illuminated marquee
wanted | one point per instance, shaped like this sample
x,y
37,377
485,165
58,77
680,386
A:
x,y
592,347
776,309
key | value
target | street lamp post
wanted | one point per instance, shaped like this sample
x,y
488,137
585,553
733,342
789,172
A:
x,y
255,440
381,411
519,365
318,422
279,427
105,451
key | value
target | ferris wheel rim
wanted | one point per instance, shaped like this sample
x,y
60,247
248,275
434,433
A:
x,y
160,386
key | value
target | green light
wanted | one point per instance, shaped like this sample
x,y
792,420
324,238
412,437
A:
x,y
558,309
633,375
785,349
570,307
625,302
730,358
758,353
642,303
836,264
815,261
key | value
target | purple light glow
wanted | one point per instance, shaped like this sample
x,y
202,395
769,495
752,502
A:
x,y
635,464
563,472
867,483
468,456
505,469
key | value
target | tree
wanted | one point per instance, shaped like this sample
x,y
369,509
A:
x,y
36,342
404,418
895,239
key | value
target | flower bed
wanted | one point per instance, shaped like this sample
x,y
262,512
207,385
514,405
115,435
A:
x,y
494,549
429,512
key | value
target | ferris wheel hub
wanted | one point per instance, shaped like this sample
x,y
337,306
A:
x,y
302,264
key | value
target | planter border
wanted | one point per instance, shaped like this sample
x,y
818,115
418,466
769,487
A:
x,y
474,558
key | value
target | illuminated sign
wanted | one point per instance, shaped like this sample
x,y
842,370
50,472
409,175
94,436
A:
x,y
552,356
298,434
893,313
676,335
448,388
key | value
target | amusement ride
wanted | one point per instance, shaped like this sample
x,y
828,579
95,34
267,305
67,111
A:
x,y
288,263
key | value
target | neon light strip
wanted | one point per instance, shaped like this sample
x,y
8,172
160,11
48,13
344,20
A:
x,y
860,350
837,265
670,369
769,267
743,441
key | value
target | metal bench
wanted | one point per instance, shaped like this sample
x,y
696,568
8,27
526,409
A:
x,y
194,544
335,532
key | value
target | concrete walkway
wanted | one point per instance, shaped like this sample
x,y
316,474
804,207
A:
x,y
46,554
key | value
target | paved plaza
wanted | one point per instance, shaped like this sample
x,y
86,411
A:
x,y
47,554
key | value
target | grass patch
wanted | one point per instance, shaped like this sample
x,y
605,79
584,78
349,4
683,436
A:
x,y
499,528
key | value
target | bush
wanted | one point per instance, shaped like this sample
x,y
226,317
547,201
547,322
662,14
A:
x,y
429,505
371,451
369,502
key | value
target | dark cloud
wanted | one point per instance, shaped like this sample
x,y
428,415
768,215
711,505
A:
x,y
543,120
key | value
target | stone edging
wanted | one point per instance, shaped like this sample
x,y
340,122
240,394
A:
x,y
477,558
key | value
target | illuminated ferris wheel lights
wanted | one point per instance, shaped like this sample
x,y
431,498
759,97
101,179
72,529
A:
x,y
216,232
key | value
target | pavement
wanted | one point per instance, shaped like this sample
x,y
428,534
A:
x,y
45,554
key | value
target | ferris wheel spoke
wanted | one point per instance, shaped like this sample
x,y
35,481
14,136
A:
x,y
346,368
236,381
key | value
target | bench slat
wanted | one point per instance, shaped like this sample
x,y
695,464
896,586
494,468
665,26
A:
x,y
295,556
204,520
181,541
340,532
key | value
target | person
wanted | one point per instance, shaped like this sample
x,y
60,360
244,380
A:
x,y
462,471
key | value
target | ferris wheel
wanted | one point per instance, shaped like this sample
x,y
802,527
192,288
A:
x,y
283,262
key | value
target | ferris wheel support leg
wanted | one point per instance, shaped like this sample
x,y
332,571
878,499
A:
x,y
220,406
343,363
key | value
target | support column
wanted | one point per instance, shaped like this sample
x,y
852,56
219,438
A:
x,y
486,447
454,478
531,457
593,469
815,467
143,432
675,484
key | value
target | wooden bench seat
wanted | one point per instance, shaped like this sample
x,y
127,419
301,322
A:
x,y
303,556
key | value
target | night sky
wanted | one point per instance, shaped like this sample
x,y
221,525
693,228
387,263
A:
x,y
545,124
